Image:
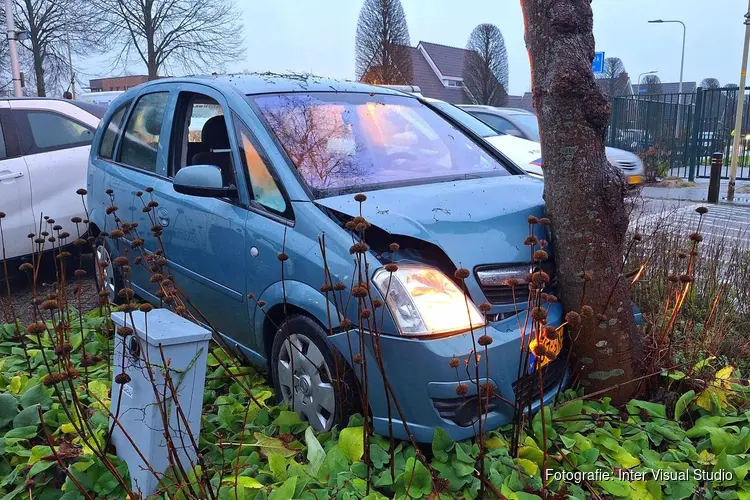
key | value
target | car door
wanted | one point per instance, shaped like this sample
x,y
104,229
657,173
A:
x,y
204,238
15,191
55,139
499,123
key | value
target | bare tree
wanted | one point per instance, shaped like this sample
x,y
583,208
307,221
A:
x,y
382,43
52,29
173,35
710,83
731,86
485,69
614,78
652,84
584,194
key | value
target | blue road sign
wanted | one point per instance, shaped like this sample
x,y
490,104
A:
x,y
597,65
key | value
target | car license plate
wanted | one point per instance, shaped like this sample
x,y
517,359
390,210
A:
x,y
635,179
554,347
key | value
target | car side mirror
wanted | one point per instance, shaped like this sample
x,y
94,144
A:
x,y
202,180
514,133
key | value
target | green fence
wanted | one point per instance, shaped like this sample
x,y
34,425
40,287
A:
x,y
676,134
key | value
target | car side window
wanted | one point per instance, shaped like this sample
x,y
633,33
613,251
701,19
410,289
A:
x,y
107,148
498,123
41,131
140,143
3,150
264,186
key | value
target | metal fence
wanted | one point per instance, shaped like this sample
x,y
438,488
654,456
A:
x,y
676,134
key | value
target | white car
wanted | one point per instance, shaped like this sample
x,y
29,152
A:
x,y
44,151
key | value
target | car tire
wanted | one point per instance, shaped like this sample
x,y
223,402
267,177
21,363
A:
x,y
312,391
111,277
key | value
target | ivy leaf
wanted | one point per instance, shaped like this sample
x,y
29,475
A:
x,y
315,452
21,433
522,495
287,419
36,395
285,491
99,389
683,403
8,409
274,446
351,442
721,440
417,478
653,409
442,444
27,417
616,487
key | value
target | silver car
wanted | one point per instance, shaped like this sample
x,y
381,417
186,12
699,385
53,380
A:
x,y
523,124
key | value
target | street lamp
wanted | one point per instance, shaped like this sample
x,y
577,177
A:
x,y
682,66
684,32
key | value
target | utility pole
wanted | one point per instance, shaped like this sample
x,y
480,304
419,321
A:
x,y
15,67
740,106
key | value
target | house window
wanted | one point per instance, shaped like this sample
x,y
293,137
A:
x,y
452,83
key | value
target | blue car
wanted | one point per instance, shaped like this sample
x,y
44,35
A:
x,y
269,181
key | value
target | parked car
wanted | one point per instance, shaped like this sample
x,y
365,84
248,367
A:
x,y
278,168
44,150
100,98
522,124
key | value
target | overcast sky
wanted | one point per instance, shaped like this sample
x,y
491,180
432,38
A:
x,y
317,36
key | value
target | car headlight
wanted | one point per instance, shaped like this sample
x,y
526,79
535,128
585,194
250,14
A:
x,y
425,302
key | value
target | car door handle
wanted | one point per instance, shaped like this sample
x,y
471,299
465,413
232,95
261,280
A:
x,y
163,217
10,175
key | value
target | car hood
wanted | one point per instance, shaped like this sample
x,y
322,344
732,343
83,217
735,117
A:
x,y
528,154
475,222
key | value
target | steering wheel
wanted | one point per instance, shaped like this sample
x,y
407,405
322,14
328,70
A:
x,y
401,155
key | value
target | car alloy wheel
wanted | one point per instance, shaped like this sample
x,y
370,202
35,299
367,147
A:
x,y
305,381
105,272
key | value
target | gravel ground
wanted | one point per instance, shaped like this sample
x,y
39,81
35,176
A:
x,y
22,294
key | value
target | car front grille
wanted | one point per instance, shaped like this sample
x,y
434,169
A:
x,y
503,294
462,411
526,388
627,164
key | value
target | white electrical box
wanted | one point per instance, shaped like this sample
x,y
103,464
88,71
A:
x,y
144,400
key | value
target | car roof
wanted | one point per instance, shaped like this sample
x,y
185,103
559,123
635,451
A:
x,y
496,110
92,109
266,83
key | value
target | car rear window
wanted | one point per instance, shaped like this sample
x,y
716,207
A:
x,y
93,109
347,142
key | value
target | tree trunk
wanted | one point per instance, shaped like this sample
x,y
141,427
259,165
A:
x,y
583,193
150,31
41,90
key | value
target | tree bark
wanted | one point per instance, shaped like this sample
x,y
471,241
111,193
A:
x,y
584,194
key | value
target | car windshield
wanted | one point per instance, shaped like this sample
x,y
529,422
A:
x,y
529,125
467,120
348,142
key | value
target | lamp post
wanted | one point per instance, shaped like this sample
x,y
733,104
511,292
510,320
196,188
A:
x,y
12,39
682,67
640,77
738,114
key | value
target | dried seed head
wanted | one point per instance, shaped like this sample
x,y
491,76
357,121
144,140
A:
x,y
282,257
349,225
601,317
573,318
121,261
326,288
56,227
673,278
63,350
681,255
36,328
124,331
454,362
146,308
377,303
544,221
136,243
52,239
539,314
111,209
366,313
80,273
550,332
587,312
126,293
122,378
26,266
361,227
116,233
79,242
686,278
510,282
359,248
139,193
701,210
81,192
90,360
551,299
156,277
484,340
55,378
180,310
540,255
39,241
696,237
346,323
539,350
637,237
539,279
339,287
146,209
359,291
360,197
152,204
533,220
128,308
357,358
461,273
394,247
250,296
530,241
391,268
103,294
485,307
462,389
37,301
49,305
261,303
149,189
